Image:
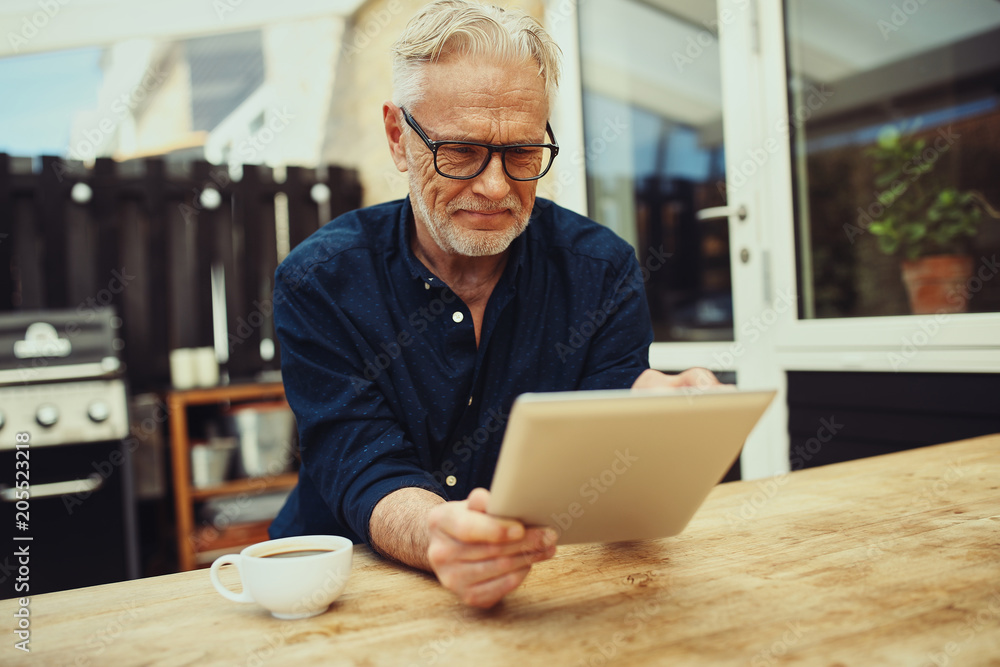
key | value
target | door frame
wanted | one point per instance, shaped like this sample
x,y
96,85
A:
x,y
751,355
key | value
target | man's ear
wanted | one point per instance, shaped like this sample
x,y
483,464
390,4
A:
x,y
394,134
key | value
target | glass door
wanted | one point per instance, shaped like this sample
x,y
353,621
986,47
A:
x,y
852,149
667,134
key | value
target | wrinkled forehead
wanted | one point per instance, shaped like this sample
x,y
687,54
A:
x,y
485,84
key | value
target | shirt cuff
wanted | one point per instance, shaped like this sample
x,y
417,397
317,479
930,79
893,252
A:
x,y
360,519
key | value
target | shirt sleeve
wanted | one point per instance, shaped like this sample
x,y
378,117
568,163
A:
x,y
353,448
619,349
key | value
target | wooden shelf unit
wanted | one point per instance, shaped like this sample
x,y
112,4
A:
x,y
196,544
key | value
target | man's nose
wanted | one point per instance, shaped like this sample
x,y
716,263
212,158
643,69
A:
x,y
492,183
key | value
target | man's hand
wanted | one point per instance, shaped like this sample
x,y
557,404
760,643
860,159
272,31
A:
x,y
702,378
479,557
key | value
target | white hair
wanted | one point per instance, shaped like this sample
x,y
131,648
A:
x,y
468,29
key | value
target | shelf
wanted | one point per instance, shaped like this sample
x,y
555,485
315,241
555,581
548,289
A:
x,y
196,544
233,392
214,543
251,484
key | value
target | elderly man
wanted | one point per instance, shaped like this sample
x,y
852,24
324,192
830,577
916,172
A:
x,y
408,328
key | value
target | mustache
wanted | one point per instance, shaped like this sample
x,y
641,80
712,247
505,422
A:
x,y
479,205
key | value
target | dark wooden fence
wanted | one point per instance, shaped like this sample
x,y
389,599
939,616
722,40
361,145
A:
x,y
143,237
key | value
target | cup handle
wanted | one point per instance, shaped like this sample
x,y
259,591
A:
x,y
234,559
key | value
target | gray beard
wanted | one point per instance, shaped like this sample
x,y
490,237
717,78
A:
x,y
470,243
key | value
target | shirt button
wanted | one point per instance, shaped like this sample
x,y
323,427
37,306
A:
x,y
470,400
457,316
450,480
427,285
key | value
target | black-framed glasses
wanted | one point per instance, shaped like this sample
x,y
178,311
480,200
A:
x,y
463,160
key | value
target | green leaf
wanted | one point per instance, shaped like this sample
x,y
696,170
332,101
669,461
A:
x,y
888,137
888,245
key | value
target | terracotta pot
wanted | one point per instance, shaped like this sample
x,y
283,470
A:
x,y
938,283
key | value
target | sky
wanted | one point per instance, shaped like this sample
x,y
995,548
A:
x,y
43,92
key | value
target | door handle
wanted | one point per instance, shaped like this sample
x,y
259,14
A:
x,y
92,483
716,212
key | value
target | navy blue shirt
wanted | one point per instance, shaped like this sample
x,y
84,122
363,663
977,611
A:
x,y
381,367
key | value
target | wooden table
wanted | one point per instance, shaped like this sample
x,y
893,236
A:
x,y
889,560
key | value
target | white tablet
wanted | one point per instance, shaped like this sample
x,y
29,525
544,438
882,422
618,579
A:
x,y
607,466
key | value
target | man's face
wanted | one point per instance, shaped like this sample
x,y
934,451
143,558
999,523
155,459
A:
x,y
475,101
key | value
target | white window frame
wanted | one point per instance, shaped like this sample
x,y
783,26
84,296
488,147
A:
x,y
968,342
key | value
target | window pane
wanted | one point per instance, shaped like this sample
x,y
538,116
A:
x,y
896,151
652,110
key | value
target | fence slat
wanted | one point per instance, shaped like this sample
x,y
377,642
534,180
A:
x,y
53,224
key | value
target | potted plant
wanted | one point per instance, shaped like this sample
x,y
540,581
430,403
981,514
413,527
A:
x,y
928,224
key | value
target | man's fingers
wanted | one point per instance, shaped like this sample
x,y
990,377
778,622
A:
x,y
445,549
700,377
479,498
527,551
535,540
481,557
487,593
455,520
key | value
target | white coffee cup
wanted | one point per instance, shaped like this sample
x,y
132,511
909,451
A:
x,y
276,575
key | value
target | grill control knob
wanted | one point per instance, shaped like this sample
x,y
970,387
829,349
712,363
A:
x,y
47,415
98,411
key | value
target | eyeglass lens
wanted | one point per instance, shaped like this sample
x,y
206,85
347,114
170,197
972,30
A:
x,y
462,160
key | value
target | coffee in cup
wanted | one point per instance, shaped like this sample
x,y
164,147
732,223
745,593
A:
x,y
292,577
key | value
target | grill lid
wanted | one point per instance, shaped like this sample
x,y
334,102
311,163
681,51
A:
x,y
56,345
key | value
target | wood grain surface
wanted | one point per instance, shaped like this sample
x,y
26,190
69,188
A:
x,y
893,560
